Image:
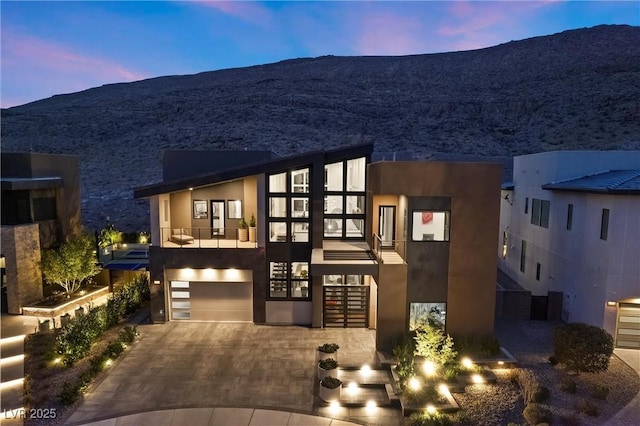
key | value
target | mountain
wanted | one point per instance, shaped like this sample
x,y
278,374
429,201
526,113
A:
x,y
578,89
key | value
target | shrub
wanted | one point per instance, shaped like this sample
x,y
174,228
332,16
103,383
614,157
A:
x,y
483,347
328,364
425,395
113,350
535,414
582,347
568,386
128,334
451,373
405,366
599,391
540,394
428,419
328,348
532,390
330,382
434,345
587,407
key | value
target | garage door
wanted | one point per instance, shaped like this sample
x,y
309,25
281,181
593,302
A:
x,y
211,301
628,330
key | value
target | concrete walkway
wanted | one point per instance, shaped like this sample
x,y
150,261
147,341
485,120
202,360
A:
x,y
630,414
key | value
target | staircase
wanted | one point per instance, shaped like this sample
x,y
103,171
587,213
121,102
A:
x,y
12,378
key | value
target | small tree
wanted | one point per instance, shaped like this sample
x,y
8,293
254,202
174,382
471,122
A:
x,y
109,235
70,264
433,344
582,347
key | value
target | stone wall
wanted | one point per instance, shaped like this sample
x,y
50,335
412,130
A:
x,y
21,246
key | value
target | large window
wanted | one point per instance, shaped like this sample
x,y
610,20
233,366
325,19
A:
x,y
289,280
289,206
430,226
344,199
540,212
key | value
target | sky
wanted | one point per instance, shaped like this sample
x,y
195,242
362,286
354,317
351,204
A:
x,y
55,47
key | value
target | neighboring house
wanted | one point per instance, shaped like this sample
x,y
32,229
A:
x,y
339,242
40,208
570,227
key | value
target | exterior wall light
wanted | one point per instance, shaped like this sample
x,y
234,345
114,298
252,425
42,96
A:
x,y
611,303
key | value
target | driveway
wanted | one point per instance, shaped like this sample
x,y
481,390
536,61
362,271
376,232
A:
x,y
178,365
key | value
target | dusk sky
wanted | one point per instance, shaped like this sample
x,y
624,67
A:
x,y
56,47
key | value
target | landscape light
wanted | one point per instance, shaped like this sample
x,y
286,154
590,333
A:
x,y
431,409
466,363
108,362
443,388
414,384
353,388
334,407
371,407
365,370
429,368
477,379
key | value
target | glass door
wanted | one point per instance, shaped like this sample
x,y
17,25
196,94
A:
x,y
387,225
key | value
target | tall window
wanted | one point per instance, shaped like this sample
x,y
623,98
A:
x,y
344,199
604,225
537,272
289,280
569,216
526,205
505,244
289,206
523,255
540,212
430,226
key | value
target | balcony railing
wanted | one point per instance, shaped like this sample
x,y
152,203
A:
x,y
389,251
206,238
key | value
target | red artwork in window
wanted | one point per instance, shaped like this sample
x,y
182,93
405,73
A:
x,y
427,217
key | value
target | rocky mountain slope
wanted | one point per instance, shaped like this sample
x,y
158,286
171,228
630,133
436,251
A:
x,y
579,89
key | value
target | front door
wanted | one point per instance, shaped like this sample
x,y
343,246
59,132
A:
x,y
387,225
217,218
346,306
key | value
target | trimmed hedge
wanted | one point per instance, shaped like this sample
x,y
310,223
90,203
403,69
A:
x,y
582,347
76,338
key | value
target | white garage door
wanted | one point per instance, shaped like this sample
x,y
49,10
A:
x,y
211,301
628,334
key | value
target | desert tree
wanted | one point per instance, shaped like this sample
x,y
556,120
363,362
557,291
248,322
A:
x,y
70,264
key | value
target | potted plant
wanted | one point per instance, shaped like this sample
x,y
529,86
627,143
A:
x,y
330,389
243,230
328,350
252,228
326,368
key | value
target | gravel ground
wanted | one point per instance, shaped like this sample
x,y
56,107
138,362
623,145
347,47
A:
x,y
531,343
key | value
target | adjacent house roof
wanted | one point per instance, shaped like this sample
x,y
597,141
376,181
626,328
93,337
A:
x,y
17,183
609,182
250,169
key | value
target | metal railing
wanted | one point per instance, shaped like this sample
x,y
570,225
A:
x,y
396,246
208,238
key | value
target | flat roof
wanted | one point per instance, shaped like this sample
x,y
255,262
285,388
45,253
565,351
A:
x,y
17,184
609,182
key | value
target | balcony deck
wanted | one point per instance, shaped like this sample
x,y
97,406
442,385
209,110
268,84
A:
x,y
211,243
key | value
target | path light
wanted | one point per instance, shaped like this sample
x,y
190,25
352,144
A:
x,y
414,384
443,388
429,368
365,370
371,407
477,379
431,409
334,407
353,388
108,362
466,363
57,360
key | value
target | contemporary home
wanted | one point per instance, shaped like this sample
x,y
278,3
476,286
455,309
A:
x,y
335,242
40,207
570,234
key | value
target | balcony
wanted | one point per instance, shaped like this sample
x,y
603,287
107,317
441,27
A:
x,y
203,238
389,251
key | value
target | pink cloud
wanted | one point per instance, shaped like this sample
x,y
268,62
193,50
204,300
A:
x,y
388,34
45,67
245,10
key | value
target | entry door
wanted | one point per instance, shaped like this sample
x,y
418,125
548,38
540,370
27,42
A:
x,y
346,306
387,225
217,218
628,330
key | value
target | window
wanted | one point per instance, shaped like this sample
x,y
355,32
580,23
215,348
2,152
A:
x,y
277,207
569,216
333,204
523,255
537,271
299,280
433,314
278,183
356,170
278,279
333,227
540,212
44,209
604,225
505,243
430,226
300,232
526,205
333,177
300,181
277,232
355,204
299,207
343,279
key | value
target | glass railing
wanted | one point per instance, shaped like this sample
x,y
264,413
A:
x,y
123,251
208,238
389,251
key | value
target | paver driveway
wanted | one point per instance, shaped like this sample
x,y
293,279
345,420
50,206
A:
x,y
218,364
